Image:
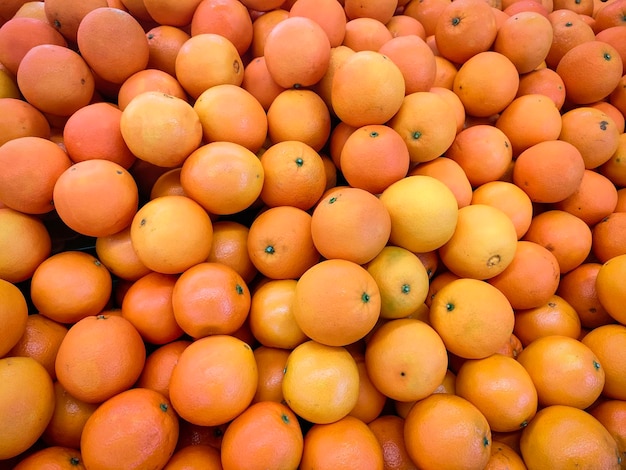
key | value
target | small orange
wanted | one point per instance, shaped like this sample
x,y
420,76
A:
x,y
389,430
149,80
608,237
371,401
612,414
271,364
610,293
159,365
198,455
229,246
451,174
543,81
117,254
504,457
164,42
63,458
14,313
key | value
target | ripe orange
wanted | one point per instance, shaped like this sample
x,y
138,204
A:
x,y
608,237
271,364
543,81
14,313
606,341
164,42
473,318
366,34
451,174
406,359
228,18
389,430
415,59
611,414
34,123
594,200
195,455
63,458
371,401
117,254
329,14
229,246
149,80
159,365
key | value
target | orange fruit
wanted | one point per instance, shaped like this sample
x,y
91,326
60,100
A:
x,y
613,168
205,60
115,353
414,203
261,27
453,100
159,365
320,382
484,152
389,430
33,122
406,359
564,370
427,13
606,343
223,177
270,363
554,317
486,83
68,420
229,246
227,18
611,414
366,34
209,299
569,30
445,431
543,81
610,293
419,72
483,244
329,14
371,401
55,79
117,254
501,388
445,71
14,313
602,68
373,157
161,129
594,200
164,42
147,422
174,222
549,171
608,237
404,25
40,339
214,381
66,16
148,80
27,398
96,197
70,285
503,456
30,168
293,175
259,83
340,444
463,19
198,455
177,14
24,243
451,174
297,52
586,442
368,88
382,11
350,224
346,285
61,457
167,184
270,433
473,318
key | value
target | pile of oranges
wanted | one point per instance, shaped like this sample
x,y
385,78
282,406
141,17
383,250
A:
x,y
330,234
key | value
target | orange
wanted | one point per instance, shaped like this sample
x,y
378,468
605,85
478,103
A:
x,y
371,401
610,293
293,175
259,83
341,444
246,123
33,122
164,42
61,457
147,431
464,19
564,234
69,417
451,174
214,381
24,244
350,224
486,83
578,288
227,18
501,388
406,359
595,198
621,200
564,370
419,72
205,60
445,71
569,30
608,237
504,457
70,285
585,441
262,25
367,89
373,157
543,81
473,318
404,25
27,398
209,299
94,132
613,35
414,203
427,13
30,168
531,278
510,199
297,52
148,80
270,434
55,79
389,430
525,38
159,365
229,246
483,244
618,96
554,317
614,168
299,114
512,347
590,71
161,129
484,152
366,34
528,120
606,18
329,14
96,197
381,11
117,254
103,36
606,342
320,382
346,285
445,431
171,233
280,244
611,414
40,340
270,363
338,136
177,14
14,313
448,95
199,455
65,16
167,184
100,356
